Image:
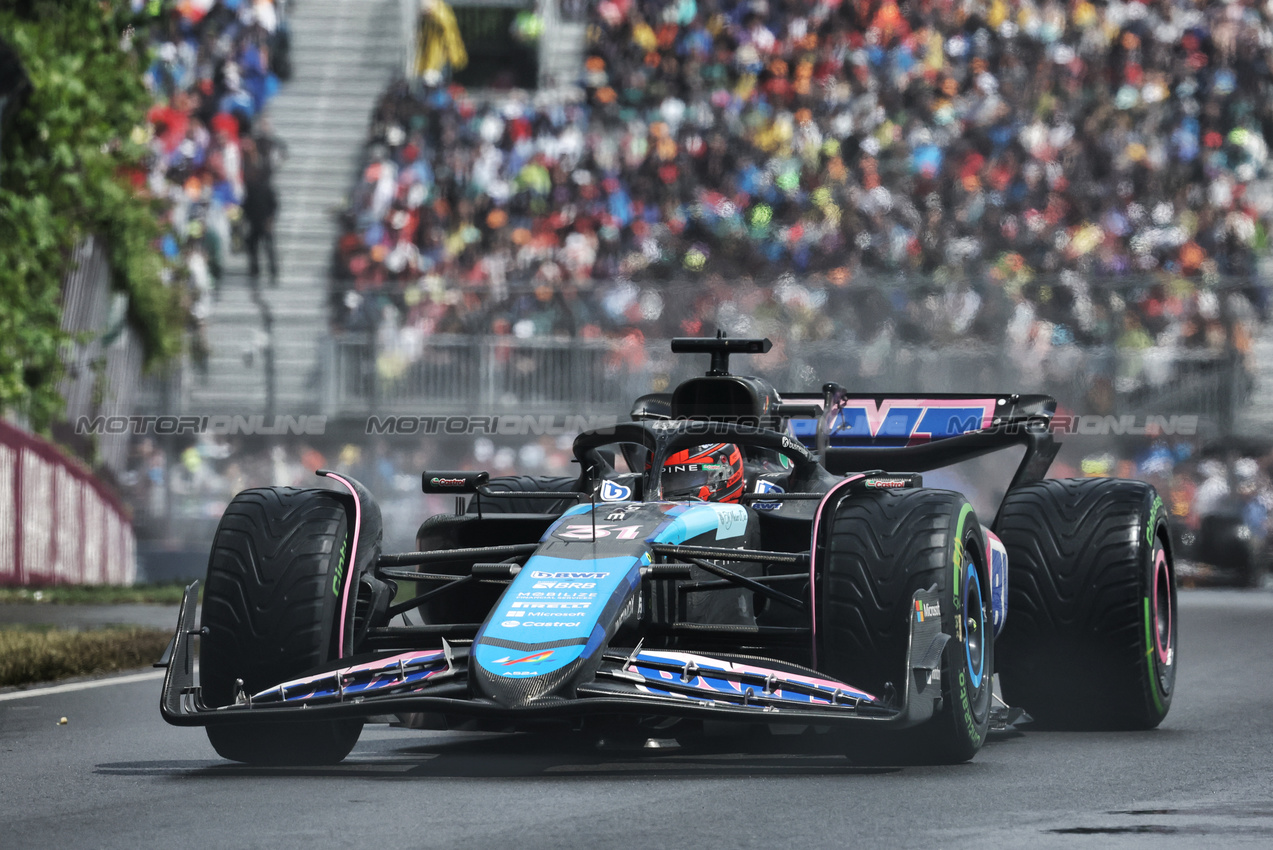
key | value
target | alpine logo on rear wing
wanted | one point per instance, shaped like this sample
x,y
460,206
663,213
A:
x,y
896,421
892,422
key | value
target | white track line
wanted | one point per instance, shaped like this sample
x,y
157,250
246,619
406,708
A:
x,y
83,686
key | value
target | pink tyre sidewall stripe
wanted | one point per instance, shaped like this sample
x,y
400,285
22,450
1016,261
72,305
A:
x,y
353,559
1161,574
813,551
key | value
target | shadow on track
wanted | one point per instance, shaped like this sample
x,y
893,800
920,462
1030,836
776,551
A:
x,y
542,755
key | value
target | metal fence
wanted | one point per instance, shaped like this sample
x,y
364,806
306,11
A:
x,y
58,524
104,360
461,374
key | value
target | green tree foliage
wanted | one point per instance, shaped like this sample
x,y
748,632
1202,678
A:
x,y
69,158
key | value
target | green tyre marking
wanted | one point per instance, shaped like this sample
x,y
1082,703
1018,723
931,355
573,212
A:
x,y
340,568
965,703
1149,659
959,542
1153,519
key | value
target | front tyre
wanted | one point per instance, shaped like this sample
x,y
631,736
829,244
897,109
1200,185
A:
x,y
270,607
880,549
1090,639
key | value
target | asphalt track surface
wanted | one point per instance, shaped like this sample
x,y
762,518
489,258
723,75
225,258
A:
x,y
115,775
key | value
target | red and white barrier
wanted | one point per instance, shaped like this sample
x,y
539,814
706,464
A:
x,y
58,524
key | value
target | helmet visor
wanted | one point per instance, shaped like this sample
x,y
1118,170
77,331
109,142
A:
x,y
688,481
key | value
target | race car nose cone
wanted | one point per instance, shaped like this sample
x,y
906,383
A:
x,y
515,691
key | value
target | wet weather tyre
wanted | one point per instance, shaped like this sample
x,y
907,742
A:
x,y
880,548
270,609
1226,541
1090,636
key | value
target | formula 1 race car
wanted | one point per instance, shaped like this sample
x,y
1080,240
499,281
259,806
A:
x,y
730,554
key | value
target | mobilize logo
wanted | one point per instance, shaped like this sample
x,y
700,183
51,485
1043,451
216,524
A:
x,y
531,595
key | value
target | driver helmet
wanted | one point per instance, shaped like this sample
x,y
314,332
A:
x,y
710,473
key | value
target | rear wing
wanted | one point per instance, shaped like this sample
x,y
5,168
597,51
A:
x,y
855,433
909,433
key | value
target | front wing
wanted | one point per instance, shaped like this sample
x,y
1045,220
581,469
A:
x,y
632,682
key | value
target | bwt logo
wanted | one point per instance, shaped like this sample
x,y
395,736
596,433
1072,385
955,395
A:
x,y
218,425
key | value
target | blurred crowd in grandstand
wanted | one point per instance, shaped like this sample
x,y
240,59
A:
x,y
774,156
217,64
1036,176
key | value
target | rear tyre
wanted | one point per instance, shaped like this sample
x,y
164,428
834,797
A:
x,y
474,602
270,607
880,549
1090,639
1226,541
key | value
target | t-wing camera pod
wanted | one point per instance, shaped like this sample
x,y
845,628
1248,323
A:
x,y
720,347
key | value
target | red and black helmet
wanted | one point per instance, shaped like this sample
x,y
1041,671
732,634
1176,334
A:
x,y
711,473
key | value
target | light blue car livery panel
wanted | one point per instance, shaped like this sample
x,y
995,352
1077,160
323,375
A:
x,y
557,607
728,521
553,601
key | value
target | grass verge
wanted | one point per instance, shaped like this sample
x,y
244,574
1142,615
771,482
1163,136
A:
x,y
42,654
102,594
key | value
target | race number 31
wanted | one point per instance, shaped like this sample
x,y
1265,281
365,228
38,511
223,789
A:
x,y
586,532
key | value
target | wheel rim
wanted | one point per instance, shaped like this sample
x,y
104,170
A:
x,y
1162,612
974,613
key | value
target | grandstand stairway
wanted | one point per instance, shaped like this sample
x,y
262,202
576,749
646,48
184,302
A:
x,y
344,53
561,50
1255,419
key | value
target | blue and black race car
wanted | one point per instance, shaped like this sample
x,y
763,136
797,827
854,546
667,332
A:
x,y
732,553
